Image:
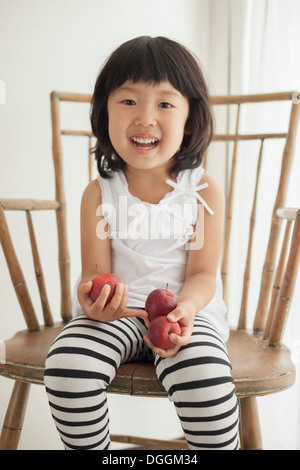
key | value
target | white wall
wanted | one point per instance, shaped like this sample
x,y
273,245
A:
x,y
61,44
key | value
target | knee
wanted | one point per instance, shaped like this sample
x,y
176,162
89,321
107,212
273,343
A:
x,y
73,368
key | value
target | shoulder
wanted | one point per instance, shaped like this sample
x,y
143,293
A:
x,y
91,196
214,193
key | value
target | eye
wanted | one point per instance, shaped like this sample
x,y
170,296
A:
x,y
165,105
129,102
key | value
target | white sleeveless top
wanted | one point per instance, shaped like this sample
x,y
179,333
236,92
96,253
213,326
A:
x,y
150,242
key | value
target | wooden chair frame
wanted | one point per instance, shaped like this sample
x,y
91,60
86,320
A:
x,y
264,342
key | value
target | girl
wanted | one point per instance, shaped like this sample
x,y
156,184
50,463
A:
x,y
143,220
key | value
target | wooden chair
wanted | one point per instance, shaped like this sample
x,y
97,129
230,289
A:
x,y
261,363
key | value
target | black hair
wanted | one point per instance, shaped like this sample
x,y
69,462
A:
x,y
153,60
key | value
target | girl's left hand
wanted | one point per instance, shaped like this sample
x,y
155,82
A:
x,y
185,316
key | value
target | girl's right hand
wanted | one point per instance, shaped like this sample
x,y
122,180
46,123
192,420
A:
x,y
114,310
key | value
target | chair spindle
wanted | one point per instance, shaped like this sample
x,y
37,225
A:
x,y
287,288
48,319
17,275
278,278
242,324
229,212
269,265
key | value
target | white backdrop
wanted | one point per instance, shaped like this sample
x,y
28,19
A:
x,y
61,44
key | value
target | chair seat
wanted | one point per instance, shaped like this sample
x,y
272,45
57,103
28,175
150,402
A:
x,y
34,346
270,371
257,368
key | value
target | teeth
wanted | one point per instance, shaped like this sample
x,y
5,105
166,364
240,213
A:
x,y
139,140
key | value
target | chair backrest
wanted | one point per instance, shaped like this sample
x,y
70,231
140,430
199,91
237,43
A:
x,y
271,309
27,206
254,182
21,283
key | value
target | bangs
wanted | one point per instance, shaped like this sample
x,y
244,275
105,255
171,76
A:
x,y
150,60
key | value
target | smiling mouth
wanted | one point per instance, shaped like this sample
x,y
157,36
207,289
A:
x,y
146,144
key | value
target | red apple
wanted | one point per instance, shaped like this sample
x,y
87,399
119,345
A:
x,y
99,282
159,303
160,329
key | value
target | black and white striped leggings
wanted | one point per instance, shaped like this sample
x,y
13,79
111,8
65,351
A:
x,y
84,359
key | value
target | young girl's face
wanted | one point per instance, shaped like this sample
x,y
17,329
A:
x,y
146,123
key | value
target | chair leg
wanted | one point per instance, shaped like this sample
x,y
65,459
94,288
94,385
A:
x,y
14,418
250,433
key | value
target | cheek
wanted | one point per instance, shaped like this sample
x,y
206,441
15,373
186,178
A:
x,y
114,128
117,137
178,130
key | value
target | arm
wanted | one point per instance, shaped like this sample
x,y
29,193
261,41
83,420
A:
x,y
200,282
200,285
96,259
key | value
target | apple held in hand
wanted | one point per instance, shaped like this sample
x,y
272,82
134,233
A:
x,y
159,303
159,331
99,282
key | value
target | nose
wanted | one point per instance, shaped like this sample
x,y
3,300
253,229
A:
x,y
145,117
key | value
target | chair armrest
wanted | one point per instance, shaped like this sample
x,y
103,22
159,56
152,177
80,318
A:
x,y
28,204
289,213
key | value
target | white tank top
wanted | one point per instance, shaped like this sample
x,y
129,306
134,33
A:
x,y
150,242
